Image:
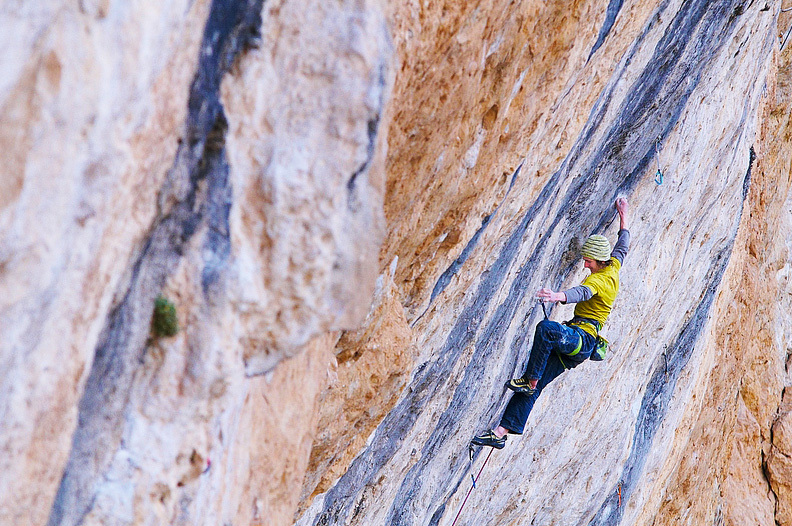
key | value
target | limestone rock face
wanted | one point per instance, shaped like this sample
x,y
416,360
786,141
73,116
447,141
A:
x,y
307,157
351,205
627,440
89,122
181,150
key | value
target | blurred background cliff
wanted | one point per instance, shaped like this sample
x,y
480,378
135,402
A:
x,y
349,206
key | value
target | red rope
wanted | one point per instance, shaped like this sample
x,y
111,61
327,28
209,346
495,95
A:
x,y
471,488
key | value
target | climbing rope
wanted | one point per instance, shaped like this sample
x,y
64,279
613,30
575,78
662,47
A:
x,y
475,479
471,487
659,174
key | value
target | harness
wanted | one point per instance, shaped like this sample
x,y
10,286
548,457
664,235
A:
x,y
601,345
579,321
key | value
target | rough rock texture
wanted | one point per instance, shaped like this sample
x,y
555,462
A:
x,y
778,136
351,205
86,145
307,157
621,429
142,165
747,380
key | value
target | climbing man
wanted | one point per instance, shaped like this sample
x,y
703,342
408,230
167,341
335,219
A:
x,y
557,347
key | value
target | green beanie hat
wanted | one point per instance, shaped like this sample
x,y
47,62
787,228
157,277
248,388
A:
x,y
596,247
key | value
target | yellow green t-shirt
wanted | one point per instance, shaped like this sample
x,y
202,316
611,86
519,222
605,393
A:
x,y
604,285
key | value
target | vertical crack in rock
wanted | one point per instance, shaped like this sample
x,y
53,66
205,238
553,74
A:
x,y
657,397
747,181
774,450
767,476
610,18
196,192
373,125
373,129
217,244
616,163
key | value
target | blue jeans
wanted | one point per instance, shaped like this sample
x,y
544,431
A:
x,y
551,355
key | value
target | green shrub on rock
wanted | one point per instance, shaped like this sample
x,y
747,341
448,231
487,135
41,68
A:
x,y
164,321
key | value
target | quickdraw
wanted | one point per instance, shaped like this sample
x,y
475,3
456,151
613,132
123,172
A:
x,y
659,174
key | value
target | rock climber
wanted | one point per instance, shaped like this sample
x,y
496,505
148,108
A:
x,y
557,347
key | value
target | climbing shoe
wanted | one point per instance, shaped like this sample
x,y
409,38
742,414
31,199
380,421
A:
x,y
519,385
489,439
